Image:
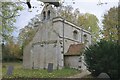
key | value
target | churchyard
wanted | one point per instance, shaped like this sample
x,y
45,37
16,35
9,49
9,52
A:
x,y
60,36
19,72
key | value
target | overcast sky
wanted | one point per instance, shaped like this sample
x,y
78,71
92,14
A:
x,y
85,6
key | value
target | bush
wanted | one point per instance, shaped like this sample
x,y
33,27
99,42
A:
x,y
103,57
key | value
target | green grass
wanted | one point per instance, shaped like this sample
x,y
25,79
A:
x,y
36,73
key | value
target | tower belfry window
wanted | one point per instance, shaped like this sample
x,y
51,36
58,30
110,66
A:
x,y
48,14
44,15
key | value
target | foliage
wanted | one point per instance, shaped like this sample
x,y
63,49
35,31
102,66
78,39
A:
x,y
37,73
8,12
119,23
11,51
66,12
103,57
110,24
89,22
86,21
26,35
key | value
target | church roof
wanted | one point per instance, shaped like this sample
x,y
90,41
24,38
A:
x,y
75,49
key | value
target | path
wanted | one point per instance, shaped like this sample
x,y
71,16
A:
x,y
80,75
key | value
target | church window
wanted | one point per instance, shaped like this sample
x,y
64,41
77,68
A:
x,y
75,35
85,38
48,14
44,15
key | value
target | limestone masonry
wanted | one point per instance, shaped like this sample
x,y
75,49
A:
x,y
56,41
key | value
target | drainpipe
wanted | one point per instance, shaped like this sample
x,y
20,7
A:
x,y
45,47
63,36
81,35
63,41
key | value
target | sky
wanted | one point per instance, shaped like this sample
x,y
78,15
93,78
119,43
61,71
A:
x,y
85,6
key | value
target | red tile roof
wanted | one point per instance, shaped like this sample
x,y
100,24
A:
x,y
75,49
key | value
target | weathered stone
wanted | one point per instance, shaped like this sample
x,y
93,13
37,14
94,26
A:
x,y
50,67
52,41
10,70
103,75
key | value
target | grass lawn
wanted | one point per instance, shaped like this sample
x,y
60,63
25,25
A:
x,y
36,73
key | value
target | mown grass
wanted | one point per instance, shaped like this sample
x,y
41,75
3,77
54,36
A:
x,y
19,72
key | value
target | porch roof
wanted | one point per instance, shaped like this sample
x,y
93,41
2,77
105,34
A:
x,y
75,50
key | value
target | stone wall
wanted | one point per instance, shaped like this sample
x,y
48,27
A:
x,y
47,45
72,61
27,57
69,28
45,48
68,33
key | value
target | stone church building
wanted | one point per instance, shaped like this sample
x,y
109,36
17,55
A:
x,y
56,41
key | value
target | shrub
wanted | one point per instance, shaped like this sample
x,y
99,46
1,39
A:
x,y
103,57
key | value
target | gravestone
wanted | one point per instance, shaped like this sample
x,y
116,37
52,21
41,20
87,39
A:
x,y
104,76
10,70
50,67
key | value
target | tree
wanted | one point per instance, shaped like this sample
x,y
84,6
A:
x,y
103,57
119,23
89,22
111,30
11,51
66,12
26,35
8,12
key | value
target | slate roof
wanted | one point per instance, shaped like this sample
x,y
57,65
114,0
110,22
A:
x,y
75,50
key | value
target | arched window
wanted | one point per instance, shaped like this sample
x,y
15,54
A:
x,y
75,35
85,38
48,14
44,15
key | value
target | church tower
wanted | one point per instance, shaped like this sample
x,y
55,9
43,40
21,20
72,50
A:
x,y
48,12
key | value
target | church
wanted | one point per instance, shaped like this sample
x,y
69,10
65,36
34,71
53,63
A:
x,y
57,41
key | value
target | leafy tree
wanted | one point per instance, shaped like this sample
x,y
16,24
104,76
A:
x,y
111,30
89,22
8,12
103,57
119,23
25,36
66,12
28,32
11,50
13,47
